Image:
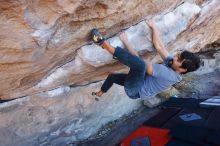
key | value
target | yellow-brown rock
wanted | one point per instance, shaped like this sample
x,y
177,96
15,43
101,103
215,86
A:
x,y
38,36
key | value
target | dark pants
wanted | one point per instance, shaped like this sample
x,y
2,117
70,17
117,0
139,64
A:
x,y
132,81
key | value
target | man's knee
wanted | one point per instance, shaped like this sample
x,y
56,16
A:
x,y
141,65
110,76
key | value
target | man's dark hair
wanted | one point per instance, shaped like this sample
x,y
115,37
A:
x,y
191,61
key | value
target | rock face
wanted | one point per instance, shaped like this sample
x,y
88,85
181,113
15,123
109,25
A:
x,y
61,116
37,37
47,59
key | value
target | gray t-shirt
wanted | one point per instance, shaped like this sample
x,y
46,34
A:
x,y
163,77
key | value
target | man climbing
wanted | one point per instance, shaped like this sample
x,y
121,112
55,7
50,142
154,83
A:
x,y
145,80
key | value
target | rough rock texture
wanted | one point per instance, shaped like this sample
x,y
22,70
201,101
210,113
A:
x,y
39,36
61,116
47,61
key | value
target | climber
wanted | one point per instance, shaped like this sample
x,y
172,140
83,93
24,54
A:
x,y
145,80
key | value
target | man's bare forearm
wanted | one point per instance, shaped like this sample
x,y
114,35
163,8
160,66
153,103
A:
x,y
158,44
156,39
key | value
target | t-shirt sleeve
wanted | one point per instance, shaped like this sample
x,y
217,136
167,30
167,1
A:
x,y
168,60
161,71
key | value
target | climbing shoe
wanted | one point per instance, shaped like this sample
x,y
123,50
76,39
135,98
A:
x,y
97,37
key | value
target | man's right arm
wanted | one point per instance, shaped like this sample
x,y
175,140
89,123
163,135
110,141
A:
x,y
158,44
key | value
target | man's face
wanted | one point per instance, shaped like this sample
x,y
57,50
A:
x,y
177,61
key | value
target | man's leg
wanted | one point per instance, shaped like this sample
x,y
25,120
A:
x,y
135,77
125,57
108,47
136,64
111,79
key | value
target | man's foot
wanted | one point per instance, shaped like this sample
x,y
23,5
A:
x,y
99,94
97,37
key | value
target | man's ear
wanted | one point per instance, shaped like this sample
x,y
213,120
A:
x,y
182,70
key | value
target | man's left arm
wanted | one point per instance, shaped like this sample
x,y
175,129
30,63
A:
x,y
158,44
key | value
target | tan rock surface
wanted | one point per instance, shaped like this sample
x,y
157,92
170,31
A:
x,y
39,36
